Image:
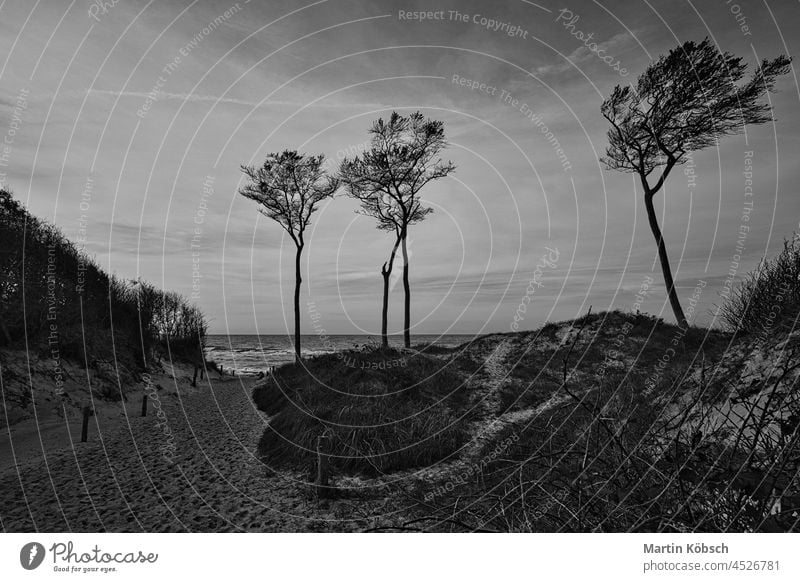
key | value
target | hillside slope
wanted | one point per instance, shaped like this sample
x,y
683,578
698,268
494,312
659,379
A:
x,y
72,335
613,422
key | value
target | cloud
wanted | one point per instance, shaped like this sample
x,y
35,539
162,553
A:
x,y
582,54
197,98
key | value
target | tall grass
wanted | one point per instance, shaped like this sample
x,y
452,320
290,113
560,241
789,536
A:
x,y
769,298
702,450
373,421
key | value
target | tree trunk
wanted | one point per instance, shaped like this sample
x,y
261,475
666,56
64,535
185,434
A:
x,y
407,290
385,307
662,255
297,281
386,271
6,336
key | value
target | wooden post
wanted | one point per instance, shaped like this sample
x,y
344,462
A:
x,y
322,481
144,404
87,412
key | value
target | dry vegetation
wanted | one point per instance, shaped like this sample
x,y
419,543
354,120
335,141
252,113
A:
x,y
614,422
59,311
410,414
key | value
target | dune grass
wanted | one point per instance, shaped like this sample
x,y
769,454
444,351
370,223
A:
x,y
768,299
376,411
626,444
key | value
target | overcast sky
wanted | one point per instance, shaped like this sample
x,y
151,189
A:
x,y
130,118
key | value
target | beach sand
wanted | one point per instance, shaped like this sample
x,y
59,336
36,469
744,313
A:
x,y
121,480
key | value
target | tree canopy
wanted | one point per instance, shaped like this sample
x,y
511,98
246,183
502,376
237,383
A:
x,y
288,186
685,101
402,159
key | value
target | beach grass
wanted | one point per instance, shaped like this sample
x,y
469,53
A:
x,y
373,411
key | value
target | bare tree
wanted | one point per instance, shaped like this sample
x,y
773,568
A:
x,y
389,218
387,180
289,186
685,101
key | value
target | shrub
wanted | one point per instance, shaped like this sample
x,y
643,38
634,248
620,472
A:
x,y
769,298
46,279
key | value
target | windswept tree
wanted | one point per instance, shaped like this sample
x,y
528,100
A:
x,y
685,101
387,180
288,187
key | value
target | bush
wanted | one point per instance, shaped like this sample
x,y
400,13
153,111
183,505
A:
x,y
769,298
46,280
375,420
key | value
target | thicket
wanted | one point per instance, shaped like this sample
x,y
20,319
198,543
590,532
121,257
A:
x,y
56,299
769,298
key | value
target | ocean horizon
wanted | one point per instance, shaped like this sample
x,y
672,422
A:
x,y
251,353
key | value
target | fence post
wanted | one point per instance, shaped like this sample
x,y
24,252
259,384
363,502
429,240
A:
x,y
87,412
322,482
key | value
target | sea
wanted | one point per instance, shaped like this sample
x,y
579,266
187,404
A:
x,y
252,354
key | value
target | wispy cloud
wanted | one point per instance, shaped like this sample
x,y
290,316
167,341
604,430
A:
x,y
198,98
610,48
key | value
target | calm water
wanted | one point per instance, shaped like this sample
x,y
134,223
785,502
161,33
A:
x,y
250,354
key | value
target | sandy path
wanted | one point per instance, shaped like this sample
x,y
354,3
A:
x,y
31,441
495,372
487,387
124,483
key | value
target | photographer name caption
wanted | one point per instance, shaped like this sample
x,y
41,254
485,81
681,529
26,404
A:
x,y
709,556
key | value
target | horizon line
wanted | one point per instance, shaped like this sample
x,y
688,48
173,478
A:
x,y
400,335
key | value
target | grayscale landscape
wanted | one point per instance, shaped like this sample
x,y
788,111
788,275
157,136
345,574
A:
x,y
350,266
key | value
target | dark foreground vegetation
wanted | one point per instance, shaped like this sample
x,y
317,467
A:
x,y
613,422
711,446
769,297
370,413
57,305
